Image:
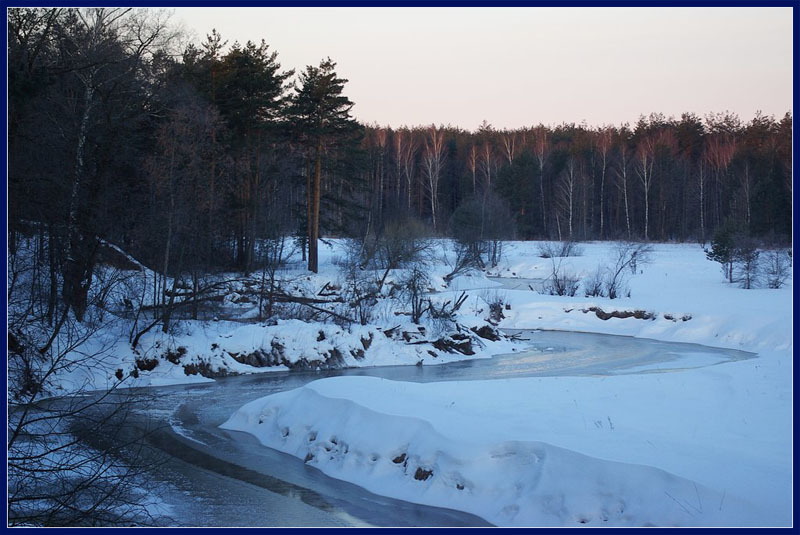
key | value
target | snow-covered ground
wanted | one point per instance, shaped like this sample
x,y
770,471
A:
x,y
237,343
701,446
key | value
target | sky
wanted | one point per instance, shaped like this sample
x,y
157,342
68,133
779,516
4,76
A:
x,y
517,67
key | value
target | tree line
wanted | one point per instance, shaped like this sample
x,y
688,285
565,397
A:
x,y
212,157
660,179
185,158
189,157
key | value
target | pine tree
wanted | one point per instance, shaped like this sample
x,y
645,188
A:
x,y
320,116
723,247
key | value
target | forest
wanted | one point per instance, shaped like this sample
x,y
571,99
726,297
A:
x,y
186,158
152,180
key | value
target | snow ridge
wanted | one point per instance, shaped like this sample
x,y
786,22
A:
x,y
507,482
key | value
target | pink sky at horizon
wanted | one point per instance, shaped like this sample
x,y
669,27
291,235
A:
x,y
516,67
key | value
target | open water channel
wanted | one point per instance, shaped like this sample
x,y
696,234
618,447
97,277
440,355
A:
x,y
212,477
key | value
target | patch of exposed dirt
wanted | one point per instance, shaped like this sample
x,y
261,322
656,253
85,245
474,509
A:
x,y
455,343
421,474
146,365
621,314
487,332
670,317
204,369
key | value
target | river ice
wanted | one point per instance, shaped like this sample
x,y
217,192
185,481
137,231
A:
x,y
690,440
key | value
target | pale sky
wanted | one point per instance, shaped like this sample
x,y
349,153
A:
x,y
517,67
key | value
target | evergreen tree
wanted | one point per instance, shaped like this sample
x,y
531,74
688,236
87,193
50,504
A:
x,y
723,247
320,116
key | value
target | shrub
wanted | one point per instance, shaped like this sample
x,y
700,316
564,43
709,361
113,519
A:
x,y
413,288
594,285
559,249
627,256
497,303
723,247
561,281
746,262
777,267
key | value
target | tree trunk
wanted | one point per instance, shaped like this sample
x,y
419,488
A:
x,y
73,271
168,244
251,241
195,292
702,207
309,195
541,196
602,189
646,211
313,259
52,300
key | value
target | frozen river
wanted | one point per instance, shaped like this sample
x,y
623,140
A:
x,y
224,478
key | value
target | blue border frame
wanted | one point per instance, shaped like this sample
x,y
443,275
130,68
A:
x,y
415,3
795,4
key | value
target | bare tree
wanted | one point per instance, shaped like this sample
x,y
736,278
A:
x,y
179,179
415,287
566,193
627,257
488,164
701,183
622,175
541,147
399,141
645,158
107,46
472,165
72,458
405,153
605,140
746,184
509,140
718,153
380,141
359,289
561,281
402,242
432,162
778,268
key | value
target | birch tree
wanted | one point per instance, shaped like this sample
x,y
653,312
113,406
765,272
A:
x,y
719,152
472,165
405,155
605,140
509,140
702,169
621,171
433,158
645,158
566,194
105,51
541,147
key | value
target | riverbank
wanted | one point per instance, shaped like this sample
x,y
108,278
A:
x,y
707,446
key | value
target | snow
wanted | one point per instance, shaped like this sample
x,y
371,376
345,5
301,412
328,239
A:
x,y
695,441
219,344
679,282
240,344
689,443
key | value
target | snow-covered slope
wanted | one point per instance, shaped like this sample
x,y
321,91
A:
x,y
680,283
659,449
696,447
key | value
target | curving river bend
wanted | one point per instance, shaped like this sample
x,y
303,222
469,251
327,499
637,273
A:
x,y
213,477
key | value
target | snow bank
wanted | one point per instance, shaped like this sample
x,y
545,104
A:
x,y
200,350
617,451
679,283
706,446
